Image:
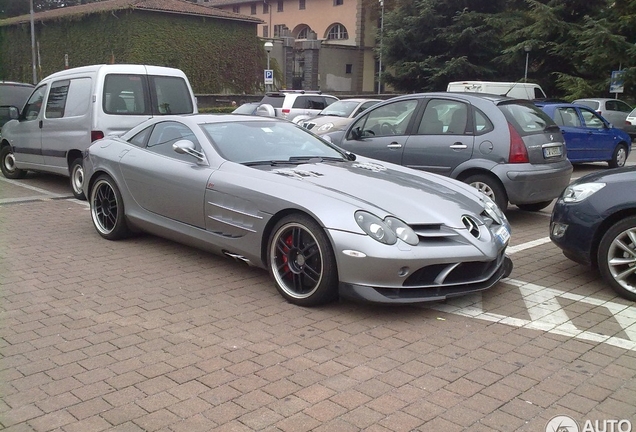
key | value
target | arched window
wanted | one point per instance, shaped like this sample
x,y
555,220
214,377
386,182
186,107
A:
x,y
302,34
337,32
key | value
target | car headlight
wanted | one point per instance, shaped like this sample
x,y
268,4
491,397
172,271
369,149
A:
x,y
325,127
579,192
493,210
402,231
386,231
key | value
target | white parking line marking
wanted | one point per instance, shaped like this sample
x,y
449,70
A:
x,y
523,246
33,188
547,314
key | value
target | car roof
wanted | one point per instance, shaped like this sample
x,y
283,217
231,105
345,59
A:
x,y
494,98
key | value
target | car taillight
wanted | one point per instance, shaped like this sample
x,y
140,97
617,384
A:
x,y
286,111
518,151
95,135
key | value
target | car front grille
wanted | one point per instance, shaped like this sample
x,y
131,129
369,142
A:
x,y
454,273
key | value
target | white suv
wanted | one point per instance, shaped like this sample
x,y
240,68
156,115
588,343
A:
x,y
288,104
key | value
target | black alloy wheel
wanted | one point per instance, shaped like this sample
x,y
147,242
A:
x,y
302,262
107,209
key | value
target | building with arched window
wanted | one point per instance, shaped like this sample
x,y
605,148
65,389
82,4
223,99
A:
x,y
323,45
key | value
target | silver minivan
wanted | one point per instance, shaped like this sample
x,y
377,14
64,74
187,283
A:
x,y
70,109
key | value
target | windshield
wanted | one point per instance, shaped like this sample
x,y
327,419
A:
x,y
341,108
268,141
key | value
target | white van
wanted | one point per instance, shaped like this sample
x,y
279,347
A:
x,y
70,109
513,89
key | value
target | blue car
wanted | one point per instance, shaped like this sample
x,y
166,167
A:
x,y
588,136
594,224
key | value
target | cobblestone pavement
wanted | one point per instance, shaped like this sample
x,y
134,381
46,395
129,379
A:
x,y
146,334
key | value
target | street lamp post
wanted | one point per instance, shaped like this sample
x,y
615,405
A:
x,y
381,37
35,76
527,49
268,48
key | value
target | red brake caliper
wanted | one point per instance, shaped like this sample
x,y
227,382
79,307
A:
x,y
288,243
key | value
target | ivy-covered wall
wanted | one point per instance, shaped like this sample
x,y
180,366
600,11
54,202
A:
x,y
217,55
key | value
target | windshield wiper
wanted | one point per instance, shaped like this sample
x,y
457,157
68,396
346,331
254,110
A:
x,y
269,162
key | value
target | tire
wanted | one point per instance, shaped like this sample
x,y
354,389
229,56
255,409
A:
x,y
107,209
617,257
491,188
9,170
619,157
534,207
301,261
77,178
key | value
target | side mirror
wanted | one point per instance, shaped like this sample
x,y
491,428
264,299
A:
x,y
187,147
356,133
8,112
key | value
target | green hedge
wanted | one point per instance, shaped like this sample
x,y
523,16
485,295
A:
x,y
217,55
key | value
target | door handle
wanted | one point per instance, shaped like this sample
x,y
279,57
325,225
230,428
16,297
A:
x,y
459,146
394,146
40,124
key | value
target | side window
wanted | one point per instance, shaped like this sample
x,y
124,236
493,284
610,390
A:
x,y
444,116
165,134
301,102
316,103
172,95
140,139
482,123
567,117
622,106
57,99
34,104
125,95
592,120
611,106
388,120
78,100
329,100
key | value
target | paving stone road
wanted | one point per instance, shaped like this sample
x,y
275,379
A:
x,y
149,335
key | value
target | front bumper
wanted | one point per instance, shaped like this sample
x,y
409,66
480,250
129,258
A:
x,y
579,224
404,274
530,183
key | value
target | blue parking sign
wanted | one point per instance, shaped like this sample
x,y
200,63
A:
x,y
269,76
617,82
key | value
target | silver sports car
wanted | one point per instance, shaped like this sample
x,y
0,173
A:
x,y
323,222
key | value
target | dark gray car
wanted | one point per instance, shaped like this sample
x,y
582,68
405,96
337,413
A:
x,y
507,148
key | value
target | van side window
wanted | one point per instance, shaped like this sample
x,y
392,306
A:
x,y
57,99
125,94
34,104
171,95
78,99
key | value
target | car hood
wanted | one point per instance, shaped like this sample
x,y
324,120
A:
x,y
618,175
384,189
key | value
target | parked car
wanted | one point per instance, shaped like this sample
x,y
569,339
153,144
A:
x,y
287,104
273,195
72,108
630,124
518,90
13,95
248,108
588,136
507,148
614,111
594,223
336,116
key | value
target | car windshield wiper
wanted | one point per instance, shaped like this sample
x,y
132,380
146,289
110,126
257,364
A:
x,y
270,162
295,160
